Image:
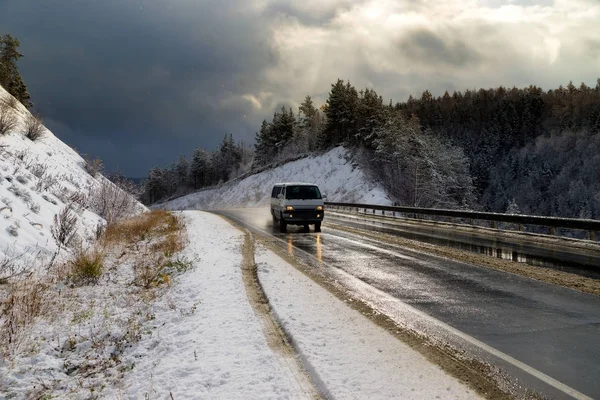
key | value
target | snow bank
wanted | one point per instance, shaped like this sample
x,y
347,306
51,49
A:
x,y
36,181
206,341
334,172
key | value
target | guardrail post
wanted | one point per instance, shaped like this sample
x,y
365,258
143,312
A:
x,y
520,227
592,236
495,224
553,230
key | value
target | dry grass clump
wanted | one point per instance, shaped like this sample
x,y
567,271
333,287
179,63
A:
x,y
169,245
25,301
34,127
8,121
156,270
87,266
142,227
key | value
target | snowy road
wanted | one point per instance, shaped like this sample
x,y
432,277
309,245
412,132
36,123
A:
x,y
543,334
207,341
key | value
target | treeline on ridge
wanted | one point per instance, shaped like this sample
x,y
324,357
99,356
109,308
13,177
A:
x,y
524,149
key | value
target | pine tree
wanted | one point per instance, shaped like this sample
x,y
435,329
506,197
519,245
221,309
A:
x,y
265,145
341,110
182,171
199,169
10,78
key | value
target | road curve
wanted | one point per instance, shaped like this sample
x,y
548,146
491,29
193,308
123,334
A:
x,y
551,330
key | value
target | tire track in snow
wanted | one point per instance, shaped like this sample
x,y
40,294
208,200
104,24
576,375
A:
x,y
276,337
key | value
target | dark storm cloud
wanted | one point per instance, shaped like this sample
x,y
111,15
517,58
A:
x,y
428,47
138,82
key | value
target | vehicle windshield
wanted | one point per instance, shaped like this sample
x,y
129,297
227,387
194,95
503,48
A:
x,y
302,193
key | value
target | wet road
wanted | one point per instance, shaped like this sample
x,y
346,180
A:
x,y
553,330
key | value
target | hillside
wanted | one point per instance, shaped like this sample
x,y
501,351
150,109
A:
x,y
334,172
38,179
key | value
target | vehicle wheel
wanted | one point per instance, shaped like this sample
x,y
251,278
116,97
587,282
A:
x,y
274,220
317,227
282,226
306,229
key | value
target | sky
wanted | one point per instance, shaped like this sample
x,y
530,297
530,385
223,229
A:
x,y
140,82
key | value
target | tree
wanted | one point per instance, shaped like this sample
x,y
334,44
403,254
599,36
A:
x,y
199,168
265,144
182,169
341,111
10,78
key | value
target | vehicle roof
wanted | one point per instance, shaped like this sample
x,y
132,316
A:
x,y
295,184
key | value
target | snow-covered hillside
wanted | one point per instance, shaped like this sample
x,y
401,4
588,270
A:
x,y
335,173
37,180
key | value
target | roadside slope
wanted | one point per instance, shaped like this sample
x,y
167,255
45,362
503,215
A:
x,y
38,179
334,172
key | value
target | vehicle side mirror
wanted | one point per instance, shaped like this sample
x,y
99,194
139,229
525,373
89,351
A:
x,y
280,196
324,196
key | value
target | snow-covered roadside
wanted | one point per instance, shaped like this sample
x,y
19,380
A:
x,y
350,356
206,341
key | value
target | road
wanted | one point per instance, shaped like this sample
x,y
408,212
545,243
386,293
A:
x,y
548,335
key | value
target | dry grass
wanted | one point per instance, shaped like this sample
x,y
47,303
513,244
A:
x,y
24,302
8,121
87,266
34,127
152,224
158,236
169,245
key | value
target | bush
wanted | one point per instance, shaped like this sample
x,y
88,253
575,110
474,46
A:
x,y
65,226
93,165
112,201
8,121
86,267
34,128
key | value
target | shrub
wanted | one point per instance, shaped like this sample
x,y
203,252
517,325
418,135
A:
x,y
9,102
34,128
21,193
93,165
65,226
112,201
86,267
8,121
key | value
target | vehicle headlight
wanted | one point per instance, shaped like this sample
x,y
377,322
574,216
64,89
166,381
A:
x,y
289,208
319,208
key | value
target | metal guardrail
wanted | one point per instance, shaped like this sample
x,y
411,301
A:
x,y
590,225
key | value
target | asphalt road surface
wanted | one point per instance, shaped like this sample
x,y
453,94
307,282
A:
x,y
551,333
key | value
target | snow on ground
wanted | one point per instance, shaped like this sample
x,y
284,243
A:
x,y
351,357
36,180
206,341
334,173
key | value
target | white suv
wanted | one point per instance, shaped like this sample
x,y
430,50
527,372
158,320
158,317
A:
x,y
297,203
